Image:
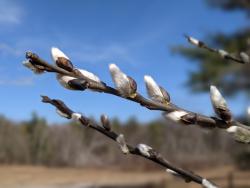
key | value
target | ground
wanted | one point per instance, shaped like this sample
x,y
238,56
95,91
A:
x,y
42,177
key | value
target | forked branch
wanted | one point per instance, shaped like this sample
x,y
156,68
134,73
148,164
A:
x,y
142,150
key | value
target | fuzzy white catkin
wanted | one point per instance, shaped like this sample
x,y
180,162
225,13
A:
x,y
153,90
240,134
217,99
208,184
56,53
29,65
248,112
75,116
171,172
122,143
223,53
176,115
89,75
144,149
120,80
193,41
232,129
60,113
245,57
63,80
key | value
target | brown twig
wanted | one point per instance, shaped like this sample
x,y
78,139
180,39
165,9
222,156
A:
x,y
242,59
141,150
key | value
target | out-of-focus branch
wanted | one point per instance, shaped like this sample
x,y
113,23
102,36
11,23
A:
x,y
78,79
243,57
142,150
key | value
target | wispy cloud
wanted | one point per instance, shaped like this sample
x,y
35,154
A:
x,y
23,81
6,49
10,12
115,51
95,54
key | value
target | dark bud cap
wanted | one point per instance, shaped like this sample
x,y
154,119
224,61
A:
x,y
133,85
165,94
195,41
64,63
189,118
201,44
45,99
78,84
225,114
32,56
28,54
84,121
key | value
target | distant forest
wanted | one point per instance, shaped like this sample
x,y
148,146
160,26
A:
x,y
35,142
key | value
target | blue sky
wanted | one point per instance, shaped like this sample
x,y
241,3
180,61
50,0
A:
x,y
136,35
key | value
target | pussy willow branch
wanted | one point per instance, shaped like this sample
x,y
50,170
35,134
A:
x,y
243,57
190,117
152,154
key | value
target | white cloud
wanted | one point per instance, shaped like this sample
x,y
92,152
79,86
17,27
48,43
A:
x,y
10,12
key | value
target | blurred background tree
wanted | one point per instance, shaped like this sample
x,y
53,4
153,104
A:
x,y
230,77
232,4
37,138
36,142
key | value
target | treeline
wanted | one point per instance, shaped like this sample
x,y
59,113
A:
x,y
34,142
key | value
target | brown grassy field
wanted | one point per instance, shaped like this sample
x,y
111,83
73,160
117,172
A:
x,y
42,177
